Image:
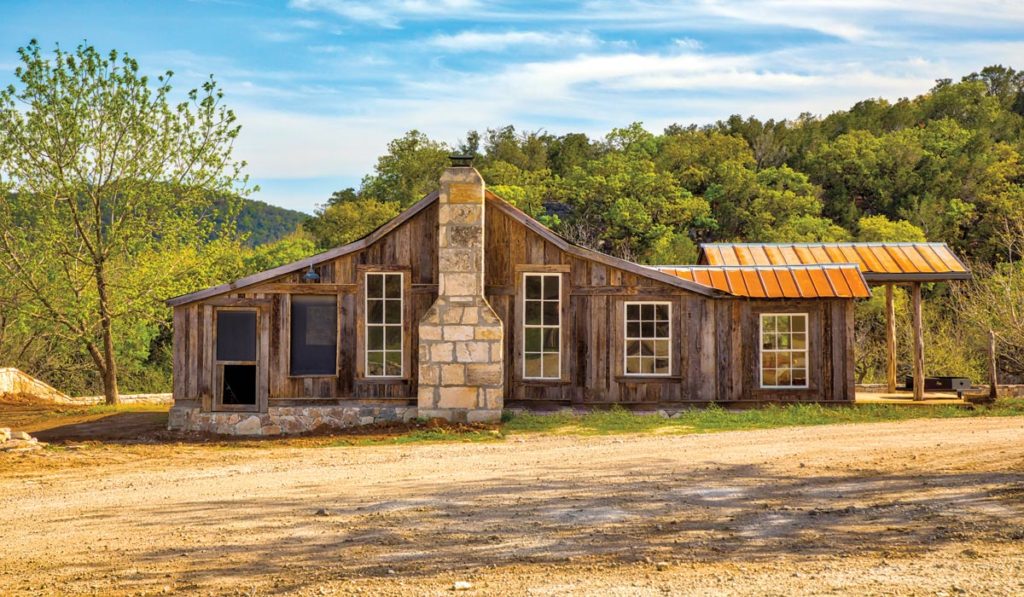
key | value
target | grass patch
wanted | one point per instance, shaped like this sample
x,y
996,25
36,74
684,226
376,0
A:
x,y
426,436
714,418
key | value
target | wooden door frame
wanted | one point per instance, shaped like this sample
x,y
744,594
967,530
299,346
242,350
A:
x,y
262,362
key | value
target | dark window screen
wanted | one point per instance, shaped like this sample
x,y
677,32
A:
x,y
236,336
314,335
239,384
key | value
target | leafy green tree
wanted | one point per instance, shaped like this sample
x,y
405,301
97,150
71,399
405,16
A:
x,y
629,205
345,221
114,194
408,171
291,248
882,229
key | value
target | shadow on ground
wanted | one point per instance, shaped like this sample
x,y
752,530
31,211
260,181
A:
x,y
656,513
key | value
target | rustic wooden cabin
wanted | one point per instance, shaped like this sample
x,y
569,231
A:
x,y
463,306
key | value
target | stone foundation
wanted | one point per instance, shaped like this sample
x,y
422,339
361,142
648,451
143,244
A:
x,y
282,420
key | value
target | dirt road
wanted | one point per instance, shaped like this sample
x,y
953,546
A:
x,y
917,507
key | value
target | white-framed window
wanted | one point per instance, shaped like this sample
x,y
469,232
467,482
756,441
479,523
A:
x,y
542,326
783,350
385,334
648,338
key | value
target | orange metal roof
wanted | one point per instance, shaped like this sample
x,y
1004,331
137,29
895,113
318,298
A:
x,y
879,262
835,280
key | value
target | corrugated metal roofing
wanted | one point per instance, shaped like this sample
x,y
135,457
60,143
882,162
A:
x,y
879,262
842,280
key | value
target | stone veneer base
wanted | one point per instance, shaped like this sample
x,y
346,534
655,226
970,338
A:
x,y
279,420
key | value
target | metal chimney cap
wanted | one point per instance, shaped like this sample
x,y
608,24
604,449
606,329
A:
x,y
461,161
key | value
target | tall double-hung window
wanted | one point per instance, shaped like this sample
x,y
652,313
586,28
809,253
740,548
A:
x,y
542,326
384,324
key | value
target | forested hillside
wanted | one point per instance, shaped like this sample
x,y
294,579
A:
x,y
262,223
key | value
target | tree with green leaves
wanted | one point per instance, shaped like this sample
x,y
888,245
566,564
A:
x,y
408,171
111,191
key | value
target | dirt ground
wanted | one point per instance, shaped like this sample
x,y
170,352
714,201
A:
x,y
917,507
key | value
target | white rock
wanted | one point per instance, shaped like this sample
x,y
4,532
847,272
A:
x,y
461,585
5,434
250,426
20,435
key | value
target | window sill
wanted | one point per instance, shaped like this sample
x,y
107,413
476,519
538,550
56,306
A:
x,y
648,378
783,388
542,382
312,376
381,380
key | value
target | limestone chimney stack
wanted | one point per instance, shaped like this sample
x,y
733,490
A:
x,y
461,339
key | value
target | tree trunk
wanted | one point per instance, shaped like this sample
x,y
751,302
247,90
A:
x,y
109,369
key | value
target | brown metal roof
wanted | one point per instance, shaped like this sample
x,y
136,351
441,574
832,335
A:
x,y
834,280
879,262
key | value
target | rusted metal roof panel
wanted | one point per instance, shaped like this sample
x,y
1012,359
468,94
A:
x,y
777,281
879,262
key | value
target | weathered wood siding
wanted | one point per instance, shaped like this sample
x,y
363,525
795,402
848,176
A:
x,y
714,341
715,351
410,248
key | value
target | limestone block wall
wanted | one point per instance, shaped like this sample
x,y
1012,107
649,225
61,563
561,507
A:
x,y
280,420
461,339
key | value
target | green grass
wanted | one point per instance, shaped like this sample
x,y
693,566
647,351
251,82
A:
x,y
426,435
706,420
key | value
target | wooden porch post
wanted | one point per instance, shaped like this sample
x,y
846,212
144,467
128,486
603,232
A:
x,y
918,344
890,339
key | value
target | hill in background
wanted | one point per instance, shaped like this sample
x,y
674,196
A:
x,y
264,223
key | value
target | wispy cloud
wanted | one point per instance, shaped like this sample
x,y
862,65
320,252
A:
x,y
497,41
384,13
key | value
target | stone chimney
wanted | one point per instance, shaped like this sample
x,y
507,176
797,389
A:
x,y
461,339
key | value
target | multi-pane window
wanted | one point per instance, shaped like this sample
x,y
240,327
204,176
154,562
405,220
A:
x,y
648,338
314,335
542,326
784,350
384,324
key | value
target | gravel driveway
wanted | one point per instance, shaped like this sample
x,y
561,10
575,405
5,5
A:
x,y
916,507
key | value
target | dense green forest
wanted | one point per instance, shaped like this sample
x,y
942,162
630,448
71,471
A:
x,y
261,223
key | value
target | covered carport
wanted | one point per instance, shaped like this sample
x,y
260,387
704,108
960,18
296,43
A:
x,y
885,264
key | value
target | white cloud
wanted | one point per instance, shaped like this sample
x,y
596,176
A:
x,y
687,43
498,41
384,13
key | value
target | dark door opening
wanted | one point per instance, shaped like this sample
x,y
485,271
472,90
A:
x,y
239,385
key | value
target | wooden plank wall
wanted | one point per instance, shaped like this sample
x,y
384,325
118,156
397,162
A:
x,y
411,246
714,341
715,351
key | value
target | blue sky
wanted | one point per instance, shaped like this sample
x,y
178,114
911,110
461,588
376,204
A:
x,y
321,86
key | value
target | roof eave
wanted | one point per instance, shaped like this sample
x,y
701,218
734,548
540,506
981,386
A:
x,y
875,278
